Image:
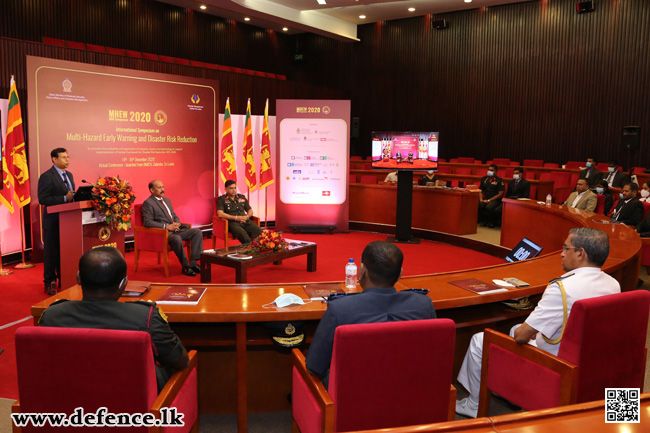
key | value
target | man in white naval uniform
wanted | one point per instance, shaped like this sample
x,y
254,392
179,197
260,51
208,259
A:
x,y
584,252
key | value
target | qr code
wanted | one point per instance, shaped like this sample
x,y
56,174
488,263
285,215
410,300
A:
x,y
622,405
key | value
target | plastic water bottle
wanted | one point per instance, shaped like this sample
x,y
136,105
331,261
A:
x,y
549,199
351,274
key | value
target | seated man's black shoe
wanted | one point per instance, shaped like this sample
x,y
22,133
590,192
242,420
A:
x,y
50,288
196,268
189,272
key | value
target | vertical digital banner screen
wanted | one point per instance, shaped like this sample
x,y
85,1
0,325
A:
x,y
313,154
136,125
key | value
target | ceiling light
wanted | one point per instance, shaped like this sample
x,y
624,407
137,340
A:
x,y
363,17
247,19
411,9
285,29
322,2
203,7
468,1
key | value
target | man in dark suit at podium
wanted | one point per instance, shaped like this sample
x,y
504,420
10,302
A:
x,y
55,186
157,211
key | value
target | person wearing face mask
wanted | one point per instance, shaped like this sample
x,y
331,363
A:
x,y
430,177
616,178
644,193
629,209
591,173
582,197
491,188
380,269
603,189
518,187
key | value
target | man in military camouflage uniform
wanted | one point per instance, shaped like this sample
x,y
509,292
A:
x,y
102,276
235,208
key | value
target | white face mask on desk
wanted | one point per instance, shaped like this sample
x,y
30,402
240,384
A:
x,y
288,299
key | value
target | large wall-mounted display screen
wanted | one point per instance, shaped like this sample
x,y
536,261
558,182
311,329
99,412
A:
x,y
405,150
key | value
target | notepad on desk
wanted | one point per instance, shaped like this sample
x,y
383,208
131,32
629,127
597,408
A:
x,y
477,286
181,295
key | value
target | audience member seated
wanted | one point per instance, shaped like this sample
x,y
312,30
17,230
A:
x,y
603,189
158,212
615,177
582,197
381,267
584,252
629,209
235,208
644,192
102,276
518,187
430,177
391,177
643,228
492,188
591,173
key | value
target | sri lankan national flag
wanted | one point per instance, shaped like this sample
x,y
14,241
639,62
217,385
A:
x,y
249,157
15,174
266,174
228,164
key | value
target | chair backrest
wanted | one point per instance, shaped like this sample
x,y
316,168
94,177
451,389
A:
x,y
352,179
136,221
600,204
366,167
60,369
392,373
463,170
368,178
533,193
533,162
465,160
509,172
605,336
551,165
444,169
602,166
501,161
639,170
574,164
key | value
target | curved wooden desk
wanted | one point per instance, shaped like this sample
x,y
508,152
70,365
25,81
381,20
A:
x,y
240,369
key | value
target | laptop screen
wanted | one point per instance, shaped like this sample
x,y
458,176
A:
x,y
525,249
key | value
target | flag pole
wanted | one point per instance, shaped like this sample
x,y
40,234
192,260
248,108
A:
x,y
266,194
23,265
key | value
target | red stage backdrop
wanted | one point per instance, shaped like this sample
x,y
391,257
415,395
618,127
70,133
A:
x,y
312,163
135,124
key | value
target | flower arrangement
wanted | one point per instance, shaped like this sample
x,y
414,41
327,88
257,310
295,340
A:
x,y
114,199
268,241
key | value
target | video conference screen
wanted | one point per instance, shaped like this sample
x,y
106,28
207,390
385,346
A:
x,y
405,150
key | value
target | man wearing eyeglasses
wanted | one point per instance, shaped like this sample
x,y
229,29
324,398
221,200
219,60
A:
x,y
583,253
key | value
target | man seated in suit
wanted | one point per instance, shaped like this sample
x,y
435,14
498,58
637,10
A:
x,y
102,276
584,252
55,186
629,209
582,197
591,173
158,212
381,267
235,208
616,178
518,187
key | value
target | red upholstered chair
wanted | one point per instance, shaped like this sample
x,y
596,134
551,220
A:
x,y
533,163
444,169
533,193
382,375
60,369
352,178
639,170
75,45
602,166
464,170
220,228
366,166
453,161
53,41
465,160
501,161
603,346
115,51
509,172
551,165
514,163
646,208
96,48
600,204
150,56
368,178
576,164
152,239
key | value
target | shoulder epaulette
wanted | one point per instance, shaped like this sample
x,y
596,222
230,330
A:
x,y
555,280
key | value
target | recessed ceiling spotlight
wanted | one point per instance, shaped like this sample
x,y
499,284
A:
x,y
468,1
285,29
203,7
363,17
411,9
247,19
322,2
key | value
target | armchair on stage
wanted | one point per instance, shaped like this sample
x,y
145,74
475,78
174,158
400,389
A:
x,y
220,228
603,347
152,239
382,375
60,369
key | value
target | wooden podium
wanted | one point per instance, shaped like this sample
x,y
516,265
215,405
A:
x,y
75,238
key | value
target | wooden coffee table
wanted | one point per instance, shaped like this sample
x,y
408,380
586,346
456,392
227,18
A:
x,y
220,257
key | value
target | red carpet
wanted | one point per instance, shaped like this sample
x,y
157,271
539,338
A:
x,y
22,289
